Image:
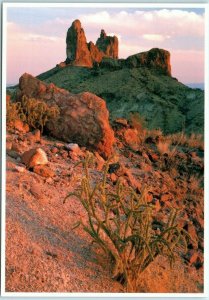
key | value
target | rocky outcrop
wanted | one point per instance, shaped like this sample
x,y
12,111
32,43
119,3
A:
x,y
108,45
81,53
158,59
83,117
105,53
77,49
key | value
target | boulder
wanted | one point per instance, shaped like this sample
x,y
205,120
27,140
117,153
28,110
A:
x,y
34,136
83,119
34,157
43,171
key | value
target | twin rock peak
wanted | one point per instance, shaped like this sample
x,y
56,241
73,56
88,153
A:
x,y
81,53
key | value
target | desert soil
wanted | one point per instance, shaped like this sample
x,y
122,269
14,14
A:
x,y
44,253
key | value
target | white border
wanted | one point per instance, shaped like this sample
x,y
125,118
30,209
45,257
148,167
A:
x,y
206,162
109,5
3,182
3,175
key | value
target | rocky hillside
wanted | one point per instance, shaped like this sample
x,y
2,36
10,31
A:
x,y
45,254
141,83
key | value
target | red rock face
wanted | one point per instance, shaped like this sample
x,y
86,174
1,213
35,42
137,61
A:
x,y
158,59
84,118
77,50
79,53
96,55
108,45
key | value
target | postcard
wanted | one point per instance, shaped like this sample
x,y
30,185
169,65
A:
x,y
103,149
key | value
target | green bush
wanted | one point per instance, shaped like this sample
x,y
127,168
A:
x,y
120,222
38,113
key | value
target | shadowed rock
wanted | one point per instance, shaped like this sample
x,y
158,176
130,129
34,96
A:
x,y
108,45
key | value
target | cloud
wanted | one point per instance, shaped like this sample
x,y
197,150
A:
x,y
155,37
164,21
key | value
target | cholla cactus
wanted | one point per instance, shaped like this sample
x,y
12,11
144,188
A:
x,y
38,113
120,222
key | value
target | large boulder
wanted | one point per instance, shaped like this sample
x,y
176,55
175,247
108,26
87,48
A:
x,y
83,119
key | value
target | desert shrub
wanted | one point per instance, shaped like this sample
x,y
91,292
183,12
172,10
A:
x,y
120,222
14,112
138,123
194,140
163,147
38,113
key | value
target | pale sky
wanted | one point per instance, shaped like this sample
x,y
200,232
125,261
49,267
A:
x,y
36,36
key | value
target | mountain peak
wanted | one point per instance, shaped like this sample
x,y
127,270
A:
x,y
81,53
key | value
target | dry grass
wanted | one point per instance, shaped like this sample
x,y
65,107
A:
x,y
192,141
163,147
138,123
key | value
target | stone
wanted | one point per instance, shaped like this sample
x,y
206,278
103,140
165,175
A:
x,y
166,197
113,177
83,119
43,171
54,150
13,154
99,161
156,58
81,53
64,154
33,157
72,147
192,256
77,49
131,137
21,126
157,205
121,121
20,169
34,136
8,145
16,147
108,45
